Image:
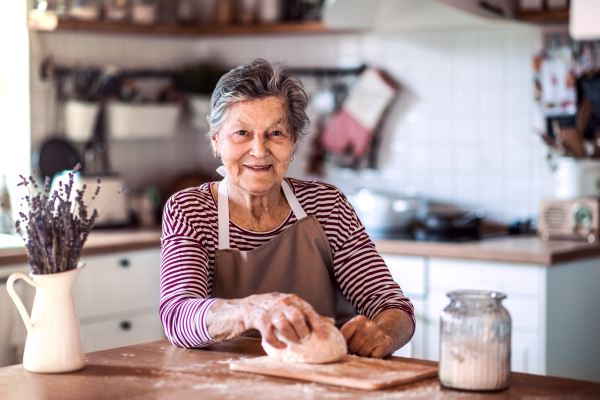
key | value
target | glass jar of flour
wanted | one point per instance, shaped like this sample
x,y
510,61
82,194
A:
x,y
475,337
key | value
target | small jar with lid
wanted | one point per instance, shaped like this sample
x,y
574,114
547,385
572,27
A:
x,y
475,335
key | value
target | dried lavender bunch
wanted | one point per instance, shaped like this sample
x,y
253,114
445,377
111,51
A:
x,y
55,227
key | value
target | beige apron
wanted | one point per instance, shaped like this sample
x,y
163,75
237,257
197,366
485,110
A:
x,y
298,261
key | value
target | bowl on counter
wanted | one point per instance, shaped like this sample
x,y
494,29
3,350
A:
x,y
384,214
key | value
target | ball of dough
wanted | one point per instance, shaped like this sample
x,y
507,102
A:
x,y
310,350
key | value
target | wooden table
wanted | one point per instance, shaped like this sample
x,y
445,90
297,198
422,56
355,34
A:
x,y
158,370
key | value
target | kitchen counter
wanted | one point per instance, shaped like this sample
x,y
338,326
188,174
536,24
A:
x,y
511,249
508,249
99,242
160,370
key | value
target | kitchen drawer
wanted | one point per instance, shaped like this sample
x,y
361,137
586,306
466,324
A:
x,y
118,282
122,332
408,272
525,354
508,278
523,313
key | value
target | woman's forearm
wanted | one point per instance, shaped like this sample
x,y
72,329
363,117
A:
x,y
268,313
226,319
396,325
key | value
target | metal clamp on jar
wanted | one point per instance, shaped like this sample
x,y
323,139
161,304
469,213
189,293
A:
x,y
475,341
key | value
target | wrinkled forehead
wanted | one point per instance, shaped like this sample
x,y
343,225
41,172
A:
x,y
269,110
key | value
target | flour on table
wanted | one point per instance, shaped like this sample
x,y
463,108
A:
x,y
311,350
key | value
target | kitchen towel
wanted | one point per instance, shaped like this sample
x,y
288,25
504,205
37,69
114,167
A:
x,y
352,128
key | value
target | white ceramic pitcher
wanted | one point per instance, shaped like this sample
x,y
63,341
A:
x,y
53,336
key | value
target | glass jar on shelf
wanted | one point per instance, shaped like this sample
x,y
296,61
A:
x,y
116,10
87,10
246,10
475,338
144,12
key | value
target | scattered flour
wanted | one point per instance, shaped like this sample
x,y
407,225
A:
x,y
211,386
230,360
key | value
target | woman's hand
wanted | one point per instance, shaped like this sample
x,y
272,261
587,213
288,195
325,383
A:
x,y
379,338
366,339
289,315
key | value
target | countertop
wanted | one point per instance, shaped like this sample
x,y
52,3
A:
x,y
524,249
98,242
511,249
159,370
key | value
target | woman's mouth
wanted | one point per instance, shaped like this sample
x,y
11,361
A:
x,y
258,168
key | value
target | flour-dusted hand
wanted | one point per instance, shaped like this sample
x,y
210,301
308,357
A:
x,y
287,314
365,338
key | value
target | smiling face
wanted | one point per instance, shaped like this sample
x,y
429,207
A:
x,y
256,144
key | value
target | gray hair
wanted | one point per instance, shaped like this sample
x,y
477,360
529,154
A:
x,y
256,80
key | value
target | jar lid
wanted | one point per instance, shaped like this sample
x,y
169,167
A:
x,y
475,295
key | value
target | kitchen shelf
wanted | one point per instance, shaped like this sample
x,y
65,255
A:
x,y
558,16
53,24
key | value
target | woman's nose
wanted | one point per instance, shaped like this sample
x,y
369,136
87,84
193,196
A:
x,y
259,147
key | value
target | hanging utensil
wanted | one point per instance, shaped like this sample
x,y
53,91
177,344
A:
x,y
56,154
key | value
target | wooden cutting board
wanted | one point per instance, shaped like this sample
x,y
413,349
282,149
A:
x,y
351,371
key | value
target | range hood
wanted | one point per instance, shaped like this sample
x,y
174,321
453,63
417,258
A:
x,y
417,15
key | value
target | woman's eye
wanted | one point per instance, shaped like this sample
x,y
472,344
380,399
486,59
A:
x,y
242,132
277,133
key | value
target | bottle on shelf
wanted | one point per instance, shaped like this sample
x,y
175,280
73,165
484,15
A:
x,y
144,12
116,10
186,12
246,10
269,11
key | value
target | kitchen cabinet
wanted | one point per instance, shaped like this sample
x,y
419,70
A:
x,y
12,329
554,322
117,297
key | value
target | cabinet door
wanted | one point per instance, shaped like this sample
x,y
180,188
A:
x,y
9,318
125,331
524,353
524,280
12,328
118,282
408,272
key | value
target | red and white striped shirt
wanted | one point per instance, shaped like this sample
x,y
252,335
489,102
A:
x,y
190,239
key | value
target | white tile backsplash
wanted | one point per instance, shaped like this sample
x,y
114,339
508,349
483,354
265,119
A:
x,y
461,131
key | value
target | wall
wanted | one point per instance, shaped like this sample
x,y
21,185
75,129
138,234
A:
x,y
14,99
460,132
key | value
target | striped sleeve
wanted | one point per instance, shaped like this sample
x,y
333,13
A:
x,y
184,278
362,274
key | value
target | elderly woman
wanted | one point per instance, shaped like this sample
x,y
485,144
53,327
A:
x,y
261,252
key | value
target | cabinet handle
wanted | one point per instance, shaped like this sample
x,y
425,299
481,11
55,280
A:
x,y
125,325
124,262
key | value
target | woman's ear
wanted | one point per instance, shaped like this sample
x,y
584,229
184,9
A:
x,y
214,141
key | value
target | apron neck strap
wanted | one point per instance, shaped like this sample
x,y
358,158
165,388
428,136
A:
x,y
223,214
223,210
292,200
